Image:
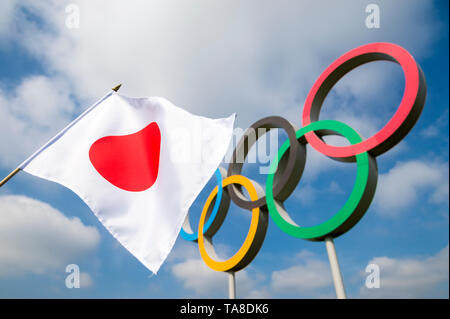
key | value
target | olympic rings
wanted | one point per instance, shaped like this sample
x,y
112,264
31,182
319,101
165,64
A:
x,y
255,236
287,167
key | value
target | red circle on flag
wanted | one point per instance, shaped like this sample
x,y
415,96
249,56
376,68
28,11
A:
x,y
130,162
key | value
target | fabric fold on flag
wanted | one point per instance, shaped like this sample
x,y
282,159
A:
x,y
139,164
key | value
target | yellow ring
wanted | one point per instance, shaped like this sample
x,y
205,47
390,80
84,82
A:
x,y
233,262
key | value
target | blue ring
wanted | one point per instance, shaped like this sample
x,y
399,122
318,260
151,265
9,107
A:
x,y
194,236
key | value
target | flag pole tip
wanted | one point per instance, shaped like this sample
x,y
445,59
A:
x,y
116,88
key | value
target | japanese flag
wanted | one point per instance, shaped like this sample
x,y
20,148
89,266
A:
x,y
138,163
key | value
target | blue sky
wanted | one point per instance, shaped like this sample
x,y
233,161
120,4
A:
x,y
257,59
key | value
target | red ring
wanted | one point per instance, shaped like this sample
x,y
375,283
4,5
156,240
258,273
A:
x,y
398,126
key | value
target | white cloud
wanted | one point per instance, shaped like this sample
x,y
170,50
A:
x,y
86,280
38,239
214,58
430,131
308,277
30,115
335,188
202,280
410,277
402,186
6,16
207,283
306,194
196,276
437,127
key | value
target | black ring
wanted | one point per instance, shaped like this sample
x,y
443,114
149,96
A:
x,y
288,173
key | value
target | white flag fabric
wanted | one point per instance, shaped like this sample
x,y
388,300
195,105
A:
x,y
138,163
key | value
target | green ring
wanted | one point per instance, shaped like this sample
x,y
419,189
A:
x,y
345,218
